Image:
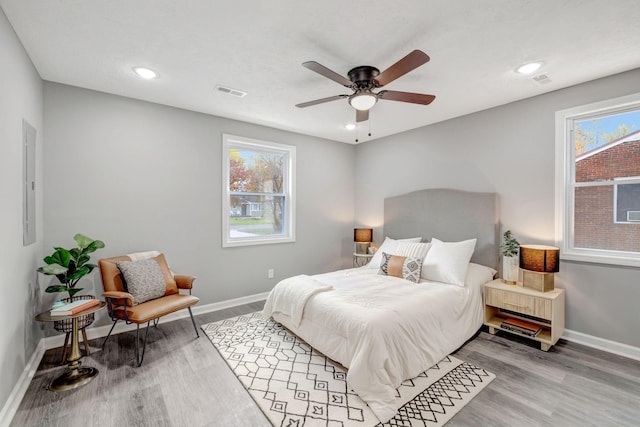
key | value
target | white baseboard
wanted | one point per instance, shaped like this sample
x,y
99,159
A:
x,y
13,402
614,347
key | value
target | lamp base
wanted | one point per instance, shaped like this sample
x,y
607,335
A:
x,y
361,248
541,282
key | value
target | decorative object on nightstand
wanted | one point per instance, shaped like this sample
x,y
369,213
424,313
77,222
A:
x,y
363,238
524,312
538,263
509,252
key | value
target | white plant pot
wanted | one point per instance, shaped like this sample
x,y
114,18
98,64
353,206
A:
x,y
510,269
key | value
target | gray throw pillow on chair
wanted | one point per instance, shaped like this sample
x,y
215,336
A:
x,y
144,279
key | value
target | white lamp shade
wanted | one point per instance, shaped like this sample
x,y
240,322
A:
x,y
363,101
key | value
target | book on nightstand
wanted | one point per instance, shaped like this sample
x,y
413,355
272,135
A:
x,y
521,326
74,307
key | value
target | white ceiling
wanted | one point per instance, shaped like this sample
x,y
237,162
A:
x,y
259,46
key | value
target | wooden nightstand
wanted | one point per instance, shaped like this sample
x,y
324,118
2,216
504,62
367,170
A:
x,y
542,308
361,259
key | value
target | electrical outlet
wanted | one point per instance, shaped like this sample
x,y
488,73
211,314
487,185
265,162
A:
x,y
270,273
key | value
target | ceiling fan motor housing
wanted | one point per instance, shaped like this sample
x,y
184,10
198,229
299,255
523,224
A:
x,y
363,76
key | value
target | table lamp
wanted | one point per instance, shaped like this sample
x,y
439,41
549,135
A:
x,y
538,263
362,237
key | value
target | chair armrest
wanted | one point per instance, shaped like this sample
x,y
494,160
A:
x,y
184,281
119,295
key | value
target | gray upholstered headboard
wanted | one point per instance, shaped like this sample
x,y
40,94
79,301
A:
x,y
448,215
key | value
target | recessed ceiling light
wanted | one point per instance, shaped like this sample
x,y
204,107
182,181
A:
x,y
528,68
350,126
145,73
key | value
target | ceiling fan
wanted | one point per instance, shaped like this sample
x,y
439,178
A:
x,y
364,79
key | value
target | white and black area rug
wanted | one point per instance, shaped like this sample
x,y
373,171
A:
x,y
296,386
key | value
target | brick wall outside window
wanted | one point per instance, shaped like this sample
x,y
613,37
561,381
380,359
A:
x,y
594,225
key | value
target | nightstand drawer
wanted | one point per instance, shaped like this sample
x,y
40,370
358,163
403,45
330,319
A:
x,y
520,303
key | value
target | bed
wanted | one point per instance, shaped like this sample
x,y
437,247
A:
x,y
386,329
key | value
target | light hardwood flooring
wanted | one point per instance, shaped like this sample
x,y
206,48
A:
x,y
184,382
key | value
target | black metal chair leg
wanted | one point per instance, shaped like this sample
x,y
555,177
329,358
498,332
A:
x,y
109,334
194,322
144,345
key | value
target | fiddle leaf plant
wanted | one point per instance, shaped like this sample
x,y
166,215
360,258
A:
x,y
71,265
509,246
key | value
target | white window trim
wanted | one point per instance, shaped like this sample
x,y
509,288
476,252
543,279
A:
x,y
289,192
564,202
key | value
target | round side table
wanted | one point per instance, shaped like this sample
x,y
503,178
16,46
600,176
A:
x,y
75,375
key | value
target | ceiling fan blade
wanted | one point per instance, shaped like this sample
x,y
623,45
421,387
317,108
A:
x,y
402,67
321,101
414,98
324,71
362,116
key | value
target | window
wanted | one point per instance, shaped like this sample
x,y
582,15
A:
x,y
598,182
258,192
627,203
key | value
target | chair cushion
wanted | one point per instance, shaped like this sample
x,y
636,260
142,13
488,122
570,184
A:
x,y
144,279
156,308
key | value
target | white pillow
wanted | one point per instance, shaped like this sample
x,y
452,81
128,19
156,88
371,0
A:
x,y
413,250
478,275
447,262
389,246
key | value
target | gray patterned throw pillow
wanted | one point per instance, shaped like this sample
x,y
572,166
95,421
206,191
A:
x,y
401,266
144,279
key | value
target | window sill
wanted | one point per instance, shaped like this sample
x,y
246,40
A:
x,y
619,260
253,242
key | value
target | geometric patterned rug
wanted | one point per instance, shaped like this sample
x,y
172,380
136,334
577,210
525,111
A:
x,y
295,385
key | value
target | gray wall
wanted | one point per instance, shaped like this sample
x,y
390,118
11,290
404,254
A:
x,y
508,150
142,176
20,98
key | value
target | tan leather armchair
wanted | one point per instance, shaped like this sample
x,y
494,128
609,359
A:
x,y
120,304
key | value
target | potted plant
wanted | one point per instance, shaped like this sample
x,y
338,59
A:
x,y
509,251
71,265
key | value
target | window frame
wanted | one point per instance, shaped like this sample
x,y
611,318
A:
x,y
565,184
288,191
617,182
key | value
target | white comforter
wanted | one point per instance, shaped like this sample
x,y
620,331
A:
x,y
385,329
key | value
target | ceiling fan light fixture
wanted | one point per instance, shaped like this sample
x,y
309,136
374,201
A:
x,y
363,100
145,73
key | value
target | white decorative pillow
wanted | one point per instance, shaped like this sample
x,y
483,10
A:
x,y
389,246
410,249
401,266
447,262
144,279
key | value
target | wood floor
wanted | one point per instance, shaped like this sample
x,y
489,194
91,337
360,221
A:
x,y
185,382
